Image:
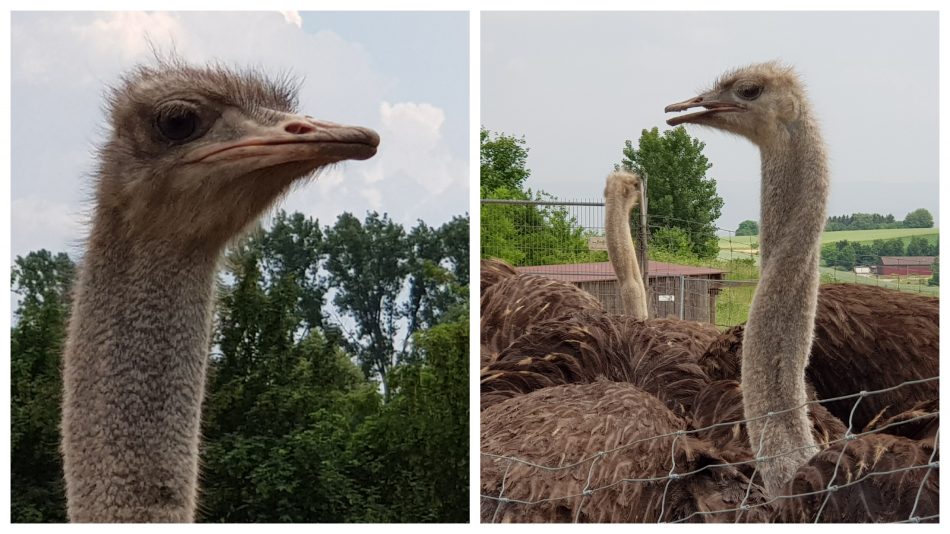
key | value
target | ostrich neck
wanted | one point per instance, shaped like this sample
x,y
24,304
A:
x,y
779,332
623,258
134,372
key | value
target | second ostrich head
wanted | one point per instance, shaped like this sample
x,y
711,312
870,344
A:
x,y
186,138
625,188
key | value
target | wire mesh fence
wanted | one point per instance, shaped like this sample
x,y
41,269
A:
x,y
924,508
696,271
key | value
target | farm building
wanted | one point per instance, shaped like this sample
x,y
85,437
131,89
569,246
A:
x,y
668,284
906,265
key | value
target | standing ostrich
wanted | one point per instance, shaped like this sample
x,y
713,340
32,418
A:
x,y
766,103
195,155
620,196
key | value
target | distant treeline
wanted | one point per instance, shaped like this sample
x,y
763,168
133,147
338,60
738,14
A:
x,y
920,218
846,254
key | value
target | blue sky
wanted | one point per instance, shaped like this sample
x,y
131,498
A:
x,y
403,74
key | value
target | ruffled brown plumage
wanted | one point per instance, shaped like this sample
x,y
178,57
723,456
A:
x,y
510,306
493,271
866,490
866,338
589,346
567,427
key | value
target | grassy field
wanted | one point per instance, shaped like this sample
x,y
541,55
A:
x,y
742,247
851,235
732,305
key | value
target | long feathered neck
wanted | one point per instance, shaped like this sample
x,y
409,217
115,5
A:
x,y
134,373
779,332
623,256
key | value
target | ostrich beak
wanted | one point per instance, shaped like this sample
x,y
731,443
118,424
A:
x,y
712,106
295,138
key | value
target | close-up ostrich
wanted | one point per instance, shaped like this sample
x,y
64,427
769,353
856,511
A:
x,y
763,378
195,155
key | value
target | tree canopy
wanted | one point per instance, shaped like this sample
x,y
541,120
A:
x,y
919,218
747,227
524,234
679,194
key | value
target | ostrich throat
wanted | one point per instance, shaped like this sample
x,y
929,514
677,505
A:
x,y
779,332
137,364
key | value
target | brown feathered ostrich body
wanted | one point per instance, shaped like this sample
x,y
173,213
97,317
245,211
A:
x,y
195,155
767,104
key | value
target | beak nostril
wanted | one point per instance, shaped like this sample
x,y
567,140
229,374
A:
x,y
299,128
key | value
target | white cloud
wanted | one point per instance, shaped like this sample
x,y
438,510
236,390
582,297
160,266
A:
x,y
414,146
292,17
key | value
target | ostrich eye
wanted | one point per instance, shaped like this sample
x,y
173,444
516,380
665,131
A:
x,y
749,92
176,123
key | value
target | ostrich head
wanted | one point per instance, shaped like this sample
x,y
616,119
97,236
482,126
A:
x,y
623,186
756,102
197,153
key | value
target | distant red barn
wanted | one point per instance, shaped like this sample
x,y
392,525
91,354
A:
x,y
905,265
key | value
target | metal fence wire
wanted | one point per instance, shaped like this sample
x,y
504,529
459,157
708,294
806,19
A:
x,y
836,483
565,240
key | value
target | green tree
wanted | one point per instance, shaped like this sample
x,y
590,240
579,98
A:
x,y
935,279
748,227
892,247
678,192
503,162
524,234
919,218
367,264
672,241
41,282
437,274
416,450
918,246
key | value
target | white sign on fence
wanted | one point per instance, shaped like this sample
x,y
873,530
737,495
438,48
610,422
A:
x,y
596,242
667,298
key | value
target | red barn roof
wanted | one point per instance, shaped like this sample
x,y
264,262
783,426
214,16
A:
x,y
908,260
602,271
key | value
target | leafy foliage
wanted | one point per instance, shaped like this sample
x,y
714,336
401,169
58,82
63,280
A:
x,y
679,195
293,428
503,162
524,234
747,227
41,281
919,218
